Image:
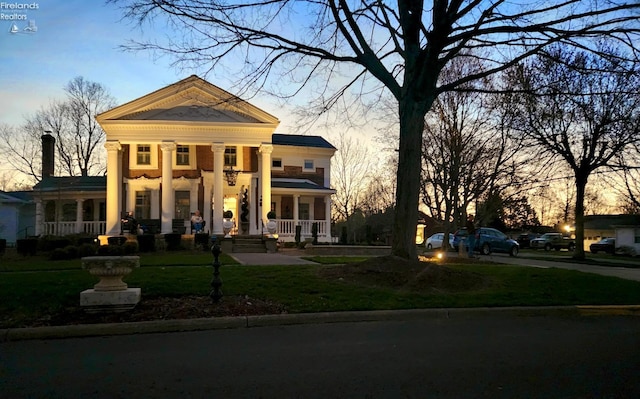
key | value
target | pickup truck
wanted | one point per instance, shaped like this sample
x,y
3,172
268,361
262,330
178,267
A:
x,y
555,241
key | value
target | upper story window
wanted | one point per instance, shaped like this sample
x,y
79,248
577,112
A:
x,y
308,165
144,154
182,155
230,156
276,163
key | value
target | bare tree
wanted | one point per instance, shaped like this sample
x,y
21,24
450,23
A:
x,y
340,46
581,109
72,122
350,173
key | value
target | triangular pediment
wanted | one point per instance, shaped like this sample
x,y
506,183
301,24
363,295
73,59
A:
x,y
190,100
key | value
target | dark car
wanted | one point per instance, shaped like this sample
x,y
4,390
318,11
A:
x,y
488,240
525,239
607,245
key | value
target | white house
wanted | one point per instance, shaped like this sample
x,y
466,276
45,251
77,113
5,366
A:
x,y
16,216
193,146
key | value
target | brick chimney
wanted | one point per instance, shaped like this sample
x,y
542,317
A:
x,y
48,153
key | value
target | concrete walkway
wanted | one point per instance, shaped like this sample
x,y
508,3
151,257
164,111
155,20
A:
x,y
279,258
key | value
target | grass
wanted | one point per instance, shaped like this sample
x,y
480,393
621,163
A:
x,y
34,287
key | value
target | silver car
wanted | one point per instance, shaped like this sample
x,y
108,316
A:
x,y
435,241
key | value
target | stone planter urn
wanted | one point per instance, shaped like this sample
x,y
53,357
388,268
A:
x,y
227,223
110,294
272,225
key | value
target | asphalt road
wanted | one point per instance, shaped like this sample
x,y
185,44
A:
x,y
483,355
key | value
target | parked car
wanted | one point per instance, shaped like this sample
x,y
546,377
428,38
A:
x,y
435,241
525,239
488,240
607,245
556,241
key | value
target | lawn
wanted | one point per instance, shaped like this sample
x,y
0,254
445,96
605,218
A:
x,y
33,289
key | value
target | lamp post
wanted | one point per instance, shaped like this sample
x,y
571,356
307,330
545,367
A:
x,y
216,282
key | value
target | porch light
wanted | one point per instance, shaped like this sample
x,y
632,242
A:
x,y
231,176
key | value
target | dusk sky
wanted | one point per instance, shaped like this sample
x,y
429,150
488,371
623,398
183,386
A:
x,y
79,38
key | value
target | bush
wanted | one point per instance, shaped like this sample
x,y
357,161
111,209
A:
x,y
71,251
87,250
173,241
118,240
27,246
3,245
50,243
130,247
58,254
110,250
202,239
146,242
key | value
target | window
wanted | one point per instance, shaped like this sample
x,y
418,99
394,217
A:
x,y
308,164
183,205
144,154
182,155
230,156
276,163
143,205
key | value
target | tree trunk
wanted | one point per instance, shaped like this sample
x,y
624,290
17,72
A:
x,y
581,184
408,178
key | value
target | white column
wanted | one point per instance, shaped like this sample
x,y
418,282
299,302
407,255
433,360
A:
x,y
296,209
265,177
114,182
327,216
39,217
168,199
218,188
79,203
206,212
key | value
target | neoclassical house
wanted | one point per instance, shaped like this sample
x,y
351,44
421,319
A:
x,y
193,146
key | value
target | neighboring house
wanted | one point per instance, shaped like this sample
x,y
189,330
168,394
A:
x,y
70,205
625,228
17,216
193,146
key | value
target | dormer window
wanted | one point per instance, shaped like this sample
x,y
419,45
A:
x,y
308,165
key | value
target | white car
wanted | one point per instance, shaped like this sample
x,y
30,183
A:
x,y
435,241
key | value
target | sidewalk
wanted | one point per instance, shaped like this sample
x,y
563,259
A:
x,y
283,257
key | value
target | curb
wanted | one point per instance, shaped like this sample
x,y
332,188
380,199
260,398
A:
x,y
201,324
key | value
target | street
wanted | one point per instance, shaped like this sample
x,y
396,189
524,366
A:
x,y
489,354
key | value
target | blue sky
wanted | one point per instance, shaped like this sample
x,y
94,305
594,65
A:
x,y
79,38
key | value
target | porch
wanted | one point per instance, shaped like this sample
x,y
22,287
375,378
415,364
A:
x,y
65,228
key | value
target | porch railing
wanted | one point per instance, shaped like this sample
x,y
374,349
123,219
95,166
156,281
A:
x,y
64,228
287,227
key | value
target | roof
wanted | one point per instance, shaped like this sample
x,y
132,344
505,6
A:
x,y
606,222
301,141
72,183
300,184
15,196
